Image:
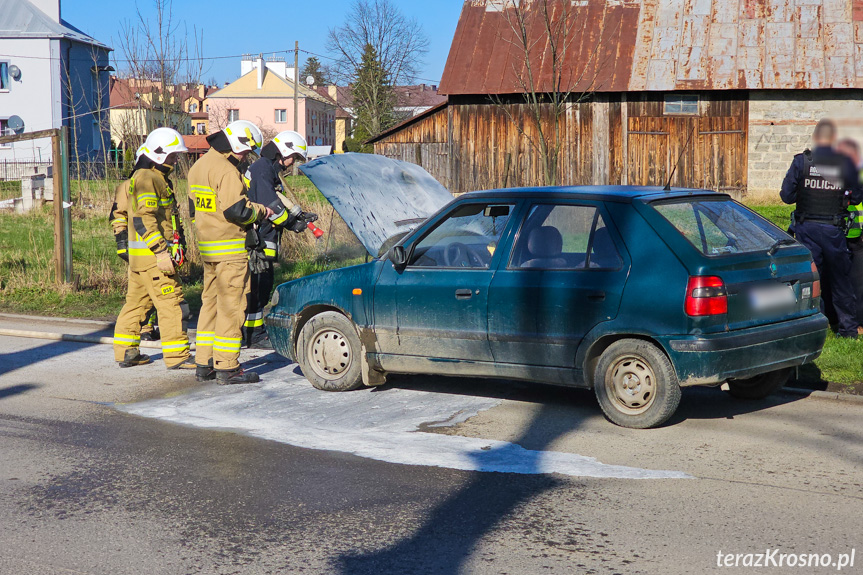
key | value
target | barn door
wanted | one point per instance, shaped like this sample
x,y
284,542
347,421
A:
x,y
647,159
722,165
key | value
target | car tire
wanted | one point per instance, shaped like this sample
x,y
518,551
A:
x,y
636,384
760,386
328,351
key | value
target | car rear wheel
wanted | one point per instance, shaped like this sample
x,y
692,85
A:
x,y
636,385
328,351
760,386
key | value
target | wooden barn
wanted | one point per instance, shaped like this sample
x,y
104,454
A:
x,y
726,90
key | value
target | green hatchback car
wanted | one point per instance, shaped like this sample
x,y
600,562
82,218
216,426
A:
x,y
635,292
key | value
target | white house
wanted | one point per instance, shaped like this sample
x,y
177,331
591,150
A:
x,y
51,75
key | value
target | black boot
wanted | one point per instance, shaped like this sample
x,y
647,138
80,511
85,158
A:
x,y
134,358
236,376
150,335
205,372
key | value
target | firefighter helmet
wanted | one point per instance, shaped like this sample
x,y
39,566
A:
x,y
290,144
244,136
163,142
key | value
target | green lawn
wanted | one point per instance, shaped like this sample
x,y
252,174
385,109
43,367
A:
x,y
27,286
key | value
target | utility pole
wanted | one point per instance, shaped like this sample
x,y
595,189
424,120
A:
x,y
296,92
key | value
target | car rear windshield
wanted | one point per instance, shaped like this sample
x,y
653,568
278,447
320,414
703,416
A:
x,y
720,227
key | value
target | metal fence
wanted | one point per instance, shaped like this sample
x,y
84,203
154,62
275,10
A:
x,y
19,170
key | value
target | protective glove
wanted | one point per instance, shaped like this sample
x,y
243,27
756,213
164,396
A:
x,y
123,246
258,262
165,263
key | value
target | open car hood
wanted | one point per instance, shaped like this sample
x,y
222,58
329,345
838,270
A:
x,y
376,196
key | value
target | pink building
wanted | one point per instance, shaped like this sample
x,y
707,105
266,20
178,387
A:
x,y
264,94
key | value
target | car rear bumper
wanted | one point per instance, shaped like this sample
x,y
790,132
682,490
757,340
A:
x,y
712,359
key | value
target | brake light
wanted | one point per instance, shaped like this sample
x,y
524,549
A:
x,y
816,284
705,296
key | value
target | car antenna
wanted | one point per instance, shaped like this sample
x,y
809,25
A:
x,y
667,187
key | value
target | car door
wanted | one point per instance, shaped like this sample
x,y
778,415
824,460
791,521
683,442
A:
x,y
437,306
565,275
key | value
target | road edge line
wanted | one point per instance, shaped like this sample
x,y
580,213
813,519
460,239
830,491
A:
x,y
832,395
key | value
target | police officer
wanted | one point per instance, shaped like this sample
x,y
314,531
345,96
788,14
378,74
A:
x,y
276,157
823,183
223,216
851,149
152,272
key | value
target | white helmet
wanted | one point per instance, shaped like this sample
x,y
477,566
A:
x,y
163,142
244,136
140,152
291,143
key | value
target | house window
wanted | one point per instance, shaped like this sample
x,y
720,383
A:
x,y
5,131
201,129
678,105
207,108
97,136
193,107
281,116
4,76
233,115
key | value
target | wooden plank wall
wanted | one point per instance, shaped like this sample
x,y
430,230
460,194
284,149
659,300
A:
x,y
614,139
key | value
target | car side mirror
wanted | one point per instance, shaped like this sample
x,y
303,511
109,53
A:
x,y
399,257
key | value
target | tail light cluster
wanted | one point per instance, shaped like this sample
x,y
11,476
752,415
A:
x,y
706,296
816,284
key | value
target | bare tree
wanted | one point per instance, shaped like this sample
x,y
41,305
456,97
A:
x,y
399,41
542,33
219,117
162,58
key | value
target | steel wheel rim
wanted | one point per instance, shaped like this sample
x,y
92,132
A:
x,y
632,385
330,354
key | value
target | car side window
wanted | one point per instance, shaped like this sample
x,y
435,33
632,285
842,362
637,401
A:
x,y
466,238
564,237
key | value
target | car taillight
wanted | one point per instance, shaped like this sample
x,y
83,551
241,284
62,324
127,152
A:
x,y
816,284
706,295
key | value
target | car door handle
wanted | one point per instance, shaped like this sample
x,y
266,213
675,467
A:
x,y
596,296
463,294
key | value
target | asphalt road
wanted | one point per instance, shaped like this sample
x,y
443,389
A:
x,y
96,476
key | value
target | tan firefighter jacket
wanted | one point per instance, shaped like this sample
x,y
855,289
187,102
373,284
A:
x,y
222,209
150,204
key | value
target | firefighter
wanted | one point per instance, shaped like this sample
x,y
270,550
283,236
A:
x,y
223,217
276,157
152,272
851,149
823,183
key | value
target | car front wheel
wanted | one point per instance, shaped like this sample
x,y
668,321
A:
x,y
760,386
636,385
328,351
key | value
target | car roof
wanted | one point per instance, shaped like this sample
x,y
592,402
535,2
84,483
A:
x,y
625,194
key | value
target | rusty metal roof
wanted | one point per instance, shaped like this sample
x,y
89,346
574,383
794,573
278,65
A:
x,y
637,45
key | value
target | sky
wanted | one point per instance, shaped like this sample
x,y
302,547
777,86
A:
x,y
232,28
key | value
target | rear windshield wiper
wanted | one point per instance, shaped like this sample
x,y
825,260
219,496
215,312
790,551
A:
x,y
779,243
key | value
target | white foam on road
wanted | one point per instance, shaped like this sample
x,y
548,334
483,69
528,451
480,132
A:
x,y
381,425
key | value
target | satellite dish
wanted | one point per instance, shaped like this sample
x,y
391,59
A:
x,y
16,124
310,80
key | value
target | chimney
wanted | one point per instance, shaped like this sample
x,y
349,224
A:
x,y
202,91
50,8
333,91
261,70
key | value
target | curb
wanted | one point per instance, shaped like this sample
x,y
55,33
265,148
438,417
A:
x,y
831,395
55,319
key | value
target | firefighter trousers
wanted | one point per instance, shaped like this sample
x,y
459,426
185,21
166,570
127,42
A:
x,y
259,297
146,289
223,312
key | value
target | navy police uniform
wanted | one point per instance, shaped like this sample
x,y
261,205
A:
x,y
822,183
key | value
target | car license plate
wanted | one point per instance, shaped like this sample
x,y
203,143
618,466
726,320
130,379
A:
x,y
773,297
